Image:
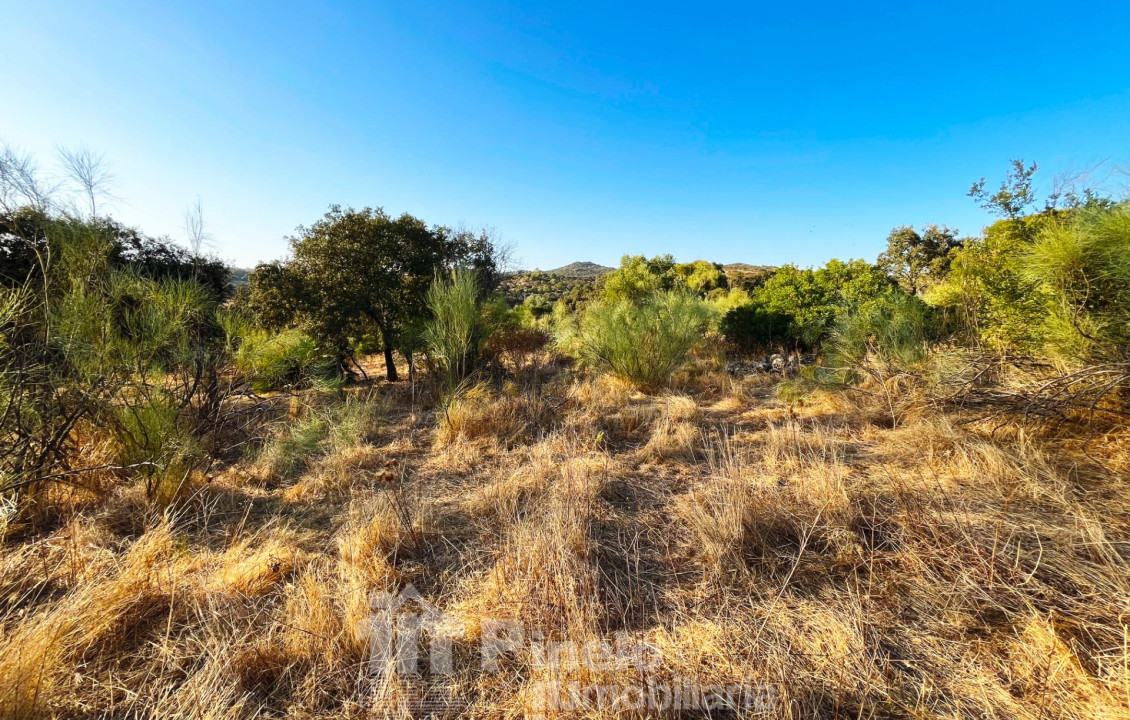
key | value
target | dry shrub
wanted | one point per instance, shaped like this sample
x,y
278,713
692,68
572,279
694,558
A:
x,y
520,349
759,510
675,435
343,472
714,385
56,563
671,440
370,544
49,504
593,399
478,413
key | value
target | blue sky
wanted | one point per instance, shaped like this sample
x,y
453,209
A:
x,y
743,132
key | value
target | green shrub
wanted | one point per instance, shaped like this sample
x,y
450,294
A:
x,y
301,442
723,300
997,304
1083,266
893,331
816,299
135,353
638,278
645,341
286,360
155,442
456,330
336,428
1056,283
749,328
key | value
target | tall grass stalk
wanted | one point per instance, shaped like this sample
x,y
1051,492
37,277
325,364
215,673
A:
x,y
455,331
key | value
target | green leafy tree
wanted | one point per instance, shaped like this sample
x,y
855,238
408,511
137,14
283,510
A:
x,y
913,259
702,276
816,298
358,272
274,295
638,278
1014,198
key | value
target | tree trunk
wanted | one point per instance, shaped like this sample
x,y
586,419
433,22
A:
x,y
390,365
387,341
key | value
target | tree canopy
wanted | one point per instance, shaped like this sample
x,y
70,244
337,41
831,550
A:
x,y
359,272
914,258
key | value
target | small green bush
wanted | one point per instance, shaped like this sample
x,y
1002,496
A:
x,y
1083,263
647,340
336,427
456,329
885,337
896,328
155,443
748,328
287,360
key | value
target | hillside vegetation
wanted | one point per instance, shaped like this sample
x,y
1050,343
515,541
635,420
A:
x,y
889,490
581,269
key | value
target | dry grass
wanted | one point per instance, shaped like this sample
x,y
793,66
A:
x,y
858,564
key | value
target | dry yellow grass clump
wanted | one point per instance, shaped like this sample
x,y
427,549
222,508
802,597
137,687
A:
x,y
841,563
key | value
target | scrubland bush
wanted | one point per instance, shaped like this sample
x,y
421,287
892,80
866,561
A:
x,y
116,357
893,331
456,329
997,304
1083,264
644,341
518,349
136,357
816,299
1046,294
322,429
723,300
751,327
286,360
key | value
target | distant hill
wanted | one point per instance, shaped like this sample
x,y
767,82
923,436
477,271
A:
x,y
747,268
748,277
581,269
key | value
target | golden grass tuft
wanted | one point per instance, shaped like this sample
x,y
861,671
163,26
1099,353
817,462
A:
x,y
254,569
479,413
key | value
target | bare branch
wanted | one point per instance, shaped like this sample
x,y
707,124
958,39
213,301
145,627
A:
x,y
89,173
198,237
21,184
